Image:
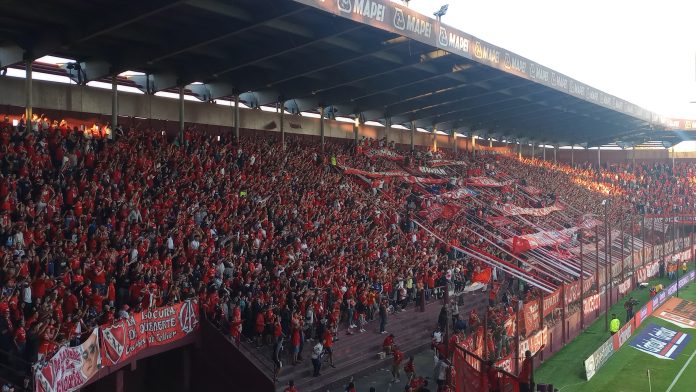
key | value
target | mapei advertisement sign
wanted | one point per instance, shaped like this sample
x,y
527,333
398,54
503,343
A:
x,y
396,18
154,327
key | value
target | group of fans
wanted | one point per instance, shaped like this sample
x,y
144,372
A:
x,y
276,242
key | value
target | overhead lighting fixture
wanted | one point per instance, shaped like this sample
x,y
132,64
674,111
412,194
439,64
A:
x,y
441,12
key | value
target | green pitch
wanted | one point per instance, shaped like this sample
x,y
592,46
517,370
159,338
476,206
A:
x,y
626,371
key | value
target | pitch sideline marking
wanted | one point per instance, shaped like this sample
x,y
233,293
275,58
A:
x,y
681,371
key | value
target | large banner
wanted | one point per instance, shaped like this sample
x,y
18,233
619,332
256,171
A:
x,y
383,153
552,301
155,327
70,368
523,243
534,343
401,175
572,292
532,320
513,210
591,304
485,182
446,162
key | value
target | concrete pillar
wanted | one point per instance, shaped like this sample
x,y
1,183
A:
x,y
554,154
321,126
490,142
543,152
387,128
28,106
599,157
533,150
634,156
114,102
473,144
434,139
236,117
413,133
519,151
356,129
572,155
282,125
181,114
454,141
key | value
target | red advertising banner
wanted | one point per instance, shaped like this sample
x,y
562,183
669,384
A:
x,y
552,301
591,304
534,342
622,336
70,368
513,210
572,292
532,320
155,327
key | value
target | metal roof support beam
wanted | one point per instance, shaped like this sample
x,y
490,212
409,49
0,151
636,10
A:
x,y
114,103
28,106
236,118
321,126
181,115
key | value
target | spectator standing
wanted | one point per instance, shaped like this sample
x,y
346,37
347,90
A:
x,y
396,364
525,376
317,352
383,317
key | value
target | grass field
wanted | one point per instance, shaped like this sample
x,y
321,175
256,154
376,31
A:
x,y
626,371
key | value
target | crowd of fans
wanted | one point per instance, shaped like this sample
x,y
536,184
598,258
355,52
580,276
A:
x,y
274,241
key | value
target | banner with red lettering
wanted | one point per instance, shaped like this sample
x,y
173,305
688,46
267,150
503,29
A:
x,y
532,320
591,304
154,327
533,343
401,175
383,153
624,287
572,292
587,283
513,210
70,368
552,301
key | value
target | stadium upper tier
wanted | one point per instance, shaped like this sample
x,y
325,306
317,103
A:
x,y
371,59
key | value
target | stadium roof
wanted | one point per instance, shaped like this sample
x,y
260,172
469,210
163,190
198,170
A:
x,y
371,58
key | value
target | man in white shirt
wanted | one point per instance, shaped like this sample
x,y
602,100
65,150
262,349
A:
x,y
316,358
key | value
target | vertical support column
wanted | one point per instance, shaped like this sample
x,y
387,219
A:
x,y
519,151
599,157
533,154
454,141
356,129
181,114
634,156
490,142
554,154
572,155
473,144
119,380
114,102
236,117
413,133
387,128
321,126
434,139
28,106
282,124
543,152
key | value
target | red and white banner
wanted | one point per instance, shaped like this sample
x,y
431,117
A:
x,y
513,210
383,153
531,190
447,211
591,304
435,171
446,162
523,243
647,272
534,343
70,368
552,301
532,320
499,221
486,182
155,327
458,194
624,287
572,292
401,175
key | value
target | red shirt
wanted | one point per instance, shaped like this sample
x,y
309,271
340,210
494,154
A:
x,y
526,372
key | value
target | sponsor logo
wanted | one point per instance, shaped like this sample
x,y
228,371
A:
x,y
487,53
188,319
367,8
453,41
514,63
443,37
399,20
